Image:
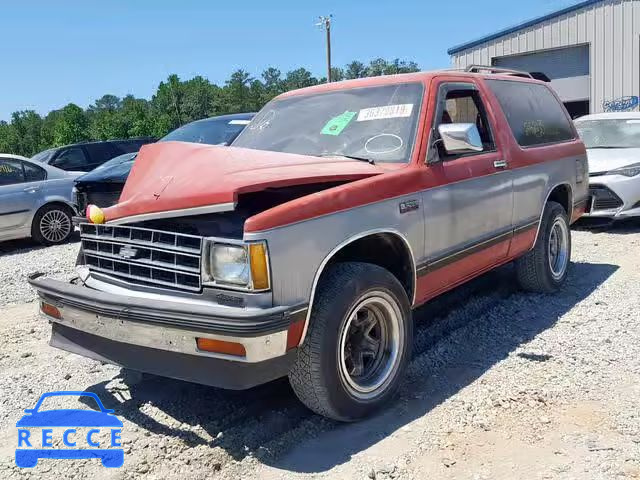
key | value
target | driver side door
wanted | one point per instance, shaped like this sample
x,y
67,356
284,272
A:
x,y
469,214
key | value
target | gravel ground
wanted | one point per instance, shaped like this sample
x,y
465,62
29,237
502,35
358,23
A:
x,y
21,258
503,384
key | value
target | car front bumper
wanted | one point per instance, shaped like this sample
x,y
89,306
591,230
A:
x,y
623,195
159,336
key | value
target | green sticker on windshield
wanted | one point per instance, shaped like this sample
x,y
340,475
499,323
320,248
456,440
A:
x,y
336,125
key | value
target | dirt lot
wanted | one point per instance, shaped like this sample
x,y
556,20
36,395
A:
x,y
502,385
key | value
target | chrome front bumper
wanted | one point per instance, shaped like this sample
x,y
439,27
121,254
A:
x,y
164,326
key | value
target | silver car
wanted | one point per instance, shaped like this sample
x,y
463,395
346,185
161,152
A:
x,y
35,200
613,149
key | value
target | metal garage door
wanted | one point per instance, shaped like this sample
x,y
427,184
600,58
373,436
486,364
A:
x,y
568,69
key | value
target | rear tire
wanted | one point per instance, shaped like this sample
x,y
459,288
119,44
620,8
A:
x,y
358,343
52,224
544,268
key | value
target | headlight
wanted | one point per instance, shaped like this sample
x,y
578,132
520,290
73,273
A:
x,y
628,171
229,264
243,266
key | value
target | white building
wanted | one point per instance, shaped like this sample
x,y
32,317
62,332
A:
x,y
590,51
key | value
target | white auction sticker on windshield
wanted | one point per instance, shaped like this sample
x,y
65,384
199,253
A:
x,y
388,111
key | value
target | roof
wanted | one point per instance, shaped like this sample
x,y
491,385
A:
x,y
399,78
521,26
610,116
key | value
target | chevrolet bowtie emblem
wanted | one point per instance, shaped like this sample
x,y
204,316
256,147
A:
x,y
128,252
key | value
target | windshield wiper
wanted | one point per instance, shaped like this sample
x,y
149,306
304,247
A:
x,y
351,157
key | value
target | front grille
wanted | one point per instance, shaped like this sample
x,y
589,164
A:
x,y
143,256
604,198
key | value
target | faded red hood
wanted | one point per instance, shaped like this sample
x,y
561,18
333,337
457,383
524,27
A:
x,y
169,176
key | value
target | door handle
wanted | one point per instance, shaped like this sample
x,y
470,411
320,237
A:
x,y
31,189
500,164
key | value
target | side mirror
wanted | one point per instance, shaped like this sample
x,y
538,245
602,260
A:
x,y
460,137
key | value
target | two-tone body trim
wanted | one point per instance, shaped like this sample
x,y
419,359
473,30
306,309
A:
x,y
434,264
581,204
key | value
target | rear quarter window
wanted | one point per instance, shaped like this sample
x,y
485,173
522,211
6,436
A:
x,y
534,114
129,146
100,152
33,173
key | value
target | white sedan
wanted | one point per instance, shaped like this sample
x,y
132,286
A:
x,y
613,149
35,200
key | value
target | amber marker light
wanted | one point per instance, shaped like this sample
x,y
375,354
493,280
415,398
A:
x,y
50,310
221,346
259,266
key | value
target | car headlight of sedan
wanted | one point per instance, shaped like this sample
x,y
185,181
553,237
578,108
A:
x,y
242,266
628,171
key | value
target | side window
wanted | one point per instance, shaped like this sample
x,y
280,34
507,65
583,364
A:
x,y
33,173
10,172
100,152
72,158
534,114
465,105
129,146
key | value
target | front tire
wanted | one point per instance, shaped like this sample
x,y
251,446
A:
x,y
52,225
544,268
357,345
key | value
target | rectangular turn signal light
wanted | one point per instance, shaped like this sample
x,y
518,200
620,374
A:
x,y
259,266
50,310
221,346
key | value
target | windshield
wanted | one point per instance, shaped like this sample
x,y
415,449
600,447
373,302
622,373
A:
x,y
618,133
374,123
211,132
43,157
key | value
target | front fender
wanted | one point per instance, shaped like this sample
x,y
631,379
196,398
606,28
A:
x,y
299,251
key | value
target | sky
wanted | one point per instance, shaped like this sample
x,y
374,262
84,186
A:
x,y
56,52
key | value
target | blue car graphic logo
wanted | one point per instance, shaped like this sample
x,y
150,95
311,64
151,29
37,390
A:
x,y
31,447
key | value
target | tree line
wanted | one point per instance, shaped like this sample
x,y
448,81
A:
x,y
174,103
